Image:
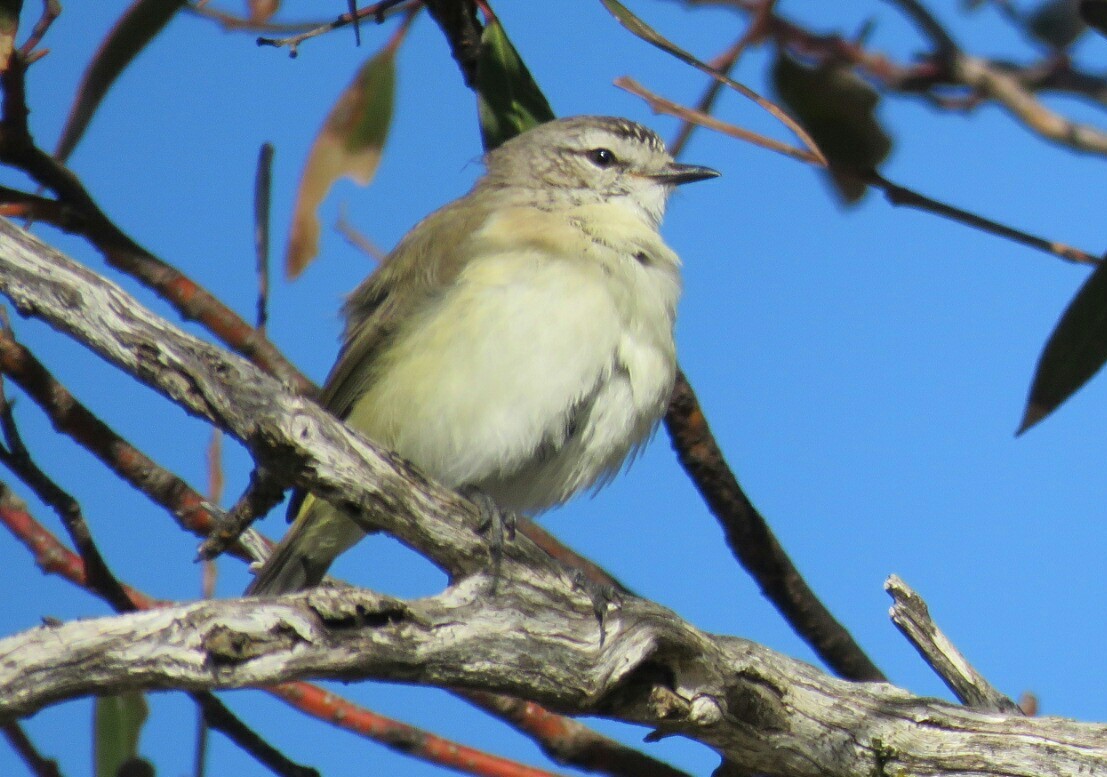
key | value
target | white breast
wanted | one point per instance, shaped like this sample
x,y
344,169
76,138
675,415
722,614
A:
x,y
543,367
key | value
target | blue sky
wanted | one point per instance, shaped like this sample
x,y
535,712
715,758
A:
x,y
864,370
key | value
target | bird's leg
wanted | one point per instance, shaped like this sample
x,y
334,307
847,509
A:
x,y
600,594
498,524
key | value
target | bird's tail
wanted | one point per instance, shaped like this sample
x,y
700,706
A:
x,y
319,533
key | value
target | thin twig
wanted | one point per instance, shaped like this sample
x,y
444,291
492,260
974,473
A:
x,y
15,456
752,541
51,9
724,64
262,494
900,195
18,150
378,11
351,6
566,555
33,207
662,105
235,23
939,37
55,558
1009,85
49,554
1007,91
263,179
651,36
220,718
400,736
356,238
568,741
190,509
912,617
39,765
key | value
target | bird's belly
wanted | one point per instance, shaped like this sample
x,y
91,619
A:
x,y
527,380
618,417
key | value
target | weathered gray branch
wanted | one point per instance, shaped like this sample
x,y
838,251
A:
x,y
912,617
769,713
533,635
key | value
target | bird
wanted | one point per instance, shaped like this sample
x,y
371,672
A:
x,y
519,340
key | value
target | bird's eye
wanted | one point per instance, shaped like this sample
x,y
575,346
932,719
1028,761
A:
x,y
601,157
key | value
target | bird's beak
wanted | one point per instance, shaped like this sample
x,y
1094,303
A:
x,y
677,174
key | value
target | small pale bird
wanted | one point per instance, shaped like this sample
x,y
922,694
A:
x,y
518,341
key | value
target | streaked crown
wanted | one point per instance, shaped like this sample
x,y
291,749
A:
x,y
586,159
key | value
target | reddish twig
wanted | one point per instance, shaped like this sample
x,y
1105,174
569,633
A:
x,y
192,301
724,64
53,557
15,456
190,509
378,11
566,555
49,554
567,741
399,736
51,9
661,105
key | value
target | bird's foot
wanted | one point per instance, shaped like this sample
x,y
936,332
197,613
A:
x,y
600,594
497,524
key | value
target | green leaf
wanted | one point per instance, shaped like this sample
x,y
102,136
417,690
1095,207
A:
x,y
1056,23
837,109
138,25
1075,351
1094,14
117,723
508,99
349,145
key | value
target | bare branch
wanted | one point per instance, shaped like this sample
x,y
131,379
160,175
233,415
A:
x,y
403,737
1008,92
193,302
15,456
660,105
912,618
567,741
190,509
604,754
378,11
537,637
761,710
752,541
39,765
901,195
51,10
